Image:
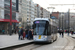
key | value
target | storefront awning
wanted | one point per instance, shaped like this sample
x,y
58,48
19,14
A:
x,y
8,20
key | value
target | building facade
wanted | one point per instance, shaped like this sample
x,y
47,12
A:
x,y
71,19
5,14
27,13
46,14
23,13
42,13
38,11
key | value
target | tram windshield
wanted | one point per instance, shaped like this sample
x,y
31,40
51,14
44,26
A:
x,y
40,27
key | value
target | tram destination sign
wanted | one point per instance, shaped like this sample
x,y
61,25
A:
x,y
40,21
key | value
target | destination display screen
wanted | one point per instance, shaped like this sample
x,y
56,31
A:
x,y
40,22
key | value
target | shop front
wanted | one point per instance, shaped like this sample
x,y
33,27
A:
x,y
5,23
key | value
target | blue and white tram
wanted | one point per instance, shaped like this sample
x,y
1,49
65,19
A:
x,y
43,30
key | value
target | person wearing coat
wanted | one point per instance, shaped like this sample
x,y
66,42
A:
x,y
62,32
19,33
24,35
22,31
30,36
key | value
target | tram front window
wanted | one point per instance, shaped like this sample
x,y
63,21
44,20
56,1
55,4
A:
x,y
40,28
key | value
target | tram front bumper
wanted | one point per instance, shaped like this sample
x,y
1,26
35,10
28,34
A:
x,y
41,40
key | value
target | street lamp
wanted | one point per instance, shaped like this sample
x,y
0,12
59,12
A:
x,y
52,9
68,20
61,19
62,22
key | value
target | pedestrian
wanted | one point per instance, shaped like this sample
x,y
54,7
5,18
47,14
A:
x,y
26,33
19,33
3,31
23,35
12,31
62,32
65,31
59,32
30,34
72,32
15,31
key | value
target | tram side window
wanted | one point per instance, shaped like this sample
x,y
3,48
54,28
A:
x,y
34,32
55,29
49,30
52,29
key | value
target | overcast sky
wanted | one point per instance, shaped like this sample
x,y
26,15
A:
x,y
45,4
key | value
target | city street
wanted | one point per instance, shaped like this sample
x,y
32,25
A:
x,y
66,43
25,22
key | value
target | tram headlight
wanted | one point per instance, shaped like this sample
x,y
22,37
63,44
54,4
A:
x,y
45,36
34,36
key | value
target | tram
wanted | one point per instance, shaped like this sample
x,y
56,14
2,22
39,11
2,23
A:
x,y
44,30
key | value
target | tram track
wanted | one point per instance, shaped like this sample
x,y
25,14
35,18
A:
x,y
74,42
66,47
66,44
36,47
29,47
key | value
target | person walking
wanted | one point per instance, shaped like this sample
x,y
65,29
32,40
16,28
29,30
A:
x,y
15,31
26,31
19,33
30,35
62,32
59,32
23,35
3,31
72,32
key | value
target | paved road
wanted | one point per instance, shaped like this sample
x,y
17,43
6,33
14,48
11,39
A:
x,y
66,43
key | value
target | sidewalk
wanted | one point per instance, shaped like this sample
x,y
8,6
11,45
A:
x,y
9,41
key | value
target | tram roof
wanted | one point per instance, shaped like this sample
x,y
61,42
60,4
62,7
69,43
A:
x,y
41,19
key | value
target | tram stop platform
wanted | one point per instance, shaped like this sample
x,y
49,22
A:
x,y
10,41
